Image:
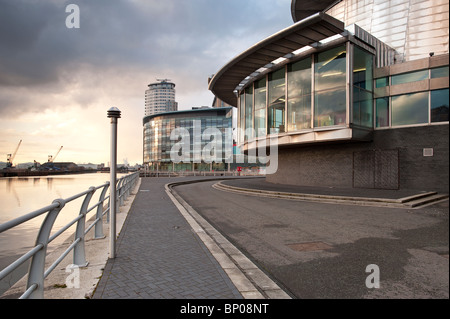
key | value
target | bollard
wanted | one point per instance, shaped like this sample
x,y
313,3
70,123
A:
x,y
114,115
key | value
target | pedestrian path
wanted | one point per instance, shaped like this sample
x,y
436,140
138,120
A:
x,y
159,256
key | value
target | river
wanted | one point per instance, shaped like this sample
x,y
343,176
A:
x,y
22,195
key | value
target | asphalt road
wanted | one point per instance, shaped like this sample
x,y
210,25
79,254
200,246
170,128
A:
x,y
318,250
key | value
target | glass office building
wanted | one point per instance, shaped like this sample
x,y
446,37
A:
x,y
200,128
348,108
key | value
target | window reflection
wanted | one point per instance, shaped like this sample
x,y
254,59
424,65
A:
x,y
330,107
362,87
330,68
439,72
362,107
260,107
382,112
277,100
410,109
382,82
249,110
299,95
242,116
439,105
409,77
330,96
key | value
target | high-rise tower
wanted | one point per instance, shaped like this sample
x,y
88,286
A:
x,y
160,97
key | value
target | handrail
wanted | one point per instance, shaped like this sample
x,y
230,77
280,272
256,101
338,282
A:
x,y
38,254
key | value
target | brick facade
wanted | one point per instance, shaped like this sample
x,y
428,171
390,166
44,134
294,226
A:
x,y
356,164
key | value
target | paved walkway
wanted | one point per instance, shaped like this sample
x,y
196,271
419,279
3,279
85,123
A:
x,y
159,256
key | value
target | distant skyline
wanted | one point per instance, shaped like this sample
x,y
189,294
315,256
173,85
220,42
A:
x,y
56,83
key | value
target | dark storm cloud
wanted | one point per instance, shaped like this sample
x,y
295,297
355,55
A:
x,y
39,54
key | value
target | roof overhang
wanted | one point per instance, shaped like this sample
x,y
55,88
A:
x,y
148,118
301,9
304,33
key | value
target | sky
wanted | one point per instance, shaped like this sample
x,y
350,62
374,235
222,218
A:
x,y
57,83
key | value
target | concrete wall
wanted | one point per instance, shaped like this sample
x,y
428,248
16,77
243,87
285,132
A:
x,y
333,164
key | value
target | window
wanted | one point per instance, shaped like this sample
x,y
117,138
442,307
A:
x,y
260,107
330,96
382,82
249,110
277,100
410,109
439,105
382,112
439,72
409,77
242,116
362,88
299,95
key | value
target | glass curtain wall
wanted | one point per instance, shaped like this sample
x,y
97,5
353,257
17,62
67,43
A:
x,y
329,83
299,95
276,102
382,112
241,117
362,88
158,145
260,107
410,109
439,105
248,112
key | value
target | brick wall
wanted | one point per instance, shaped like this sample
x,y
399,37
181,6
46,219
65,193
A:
x,y
333,164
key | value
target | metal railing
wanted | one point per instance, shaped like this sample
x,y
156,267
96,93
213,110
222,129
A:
x,y
37,272
245,172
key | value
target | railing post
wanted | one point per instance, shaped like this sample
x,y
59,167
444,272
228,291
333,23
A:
x,y
99,215
127,187
114,115
37,265
121,189
79,255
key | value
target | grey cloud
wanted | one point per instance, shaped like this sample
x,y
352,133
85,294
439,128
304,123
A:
x,y
37,50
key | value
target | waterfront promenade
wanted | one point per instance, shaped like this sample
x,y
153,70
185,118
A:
x,y
204,242
158,255
167,250
164,253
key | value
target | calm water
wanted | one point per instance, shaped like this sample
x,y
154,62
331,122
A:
x,y
22,195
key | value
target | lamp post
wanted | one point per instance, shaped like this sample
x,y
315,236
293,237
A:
x,y
114,115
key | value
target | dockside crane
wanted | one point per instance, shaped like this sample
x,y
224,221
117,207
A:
x,y
52,158
10,157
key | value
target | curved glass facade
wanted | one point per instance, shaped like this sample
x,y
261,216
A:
x,y
161,134
310,94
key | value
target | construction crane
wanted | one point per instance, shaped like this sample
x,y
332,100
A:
x,y
52,158
10,157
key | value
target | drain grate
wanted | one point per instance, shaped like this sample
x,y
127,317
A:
x,y
311,246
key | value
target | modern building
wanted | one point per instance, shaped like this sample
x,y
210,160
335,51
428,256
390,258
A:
x,y
355,92
160,97
188,140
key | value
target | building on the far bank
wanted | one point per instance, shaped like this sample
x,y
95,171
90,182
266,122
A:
x,y
160,97
355,92
202,128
